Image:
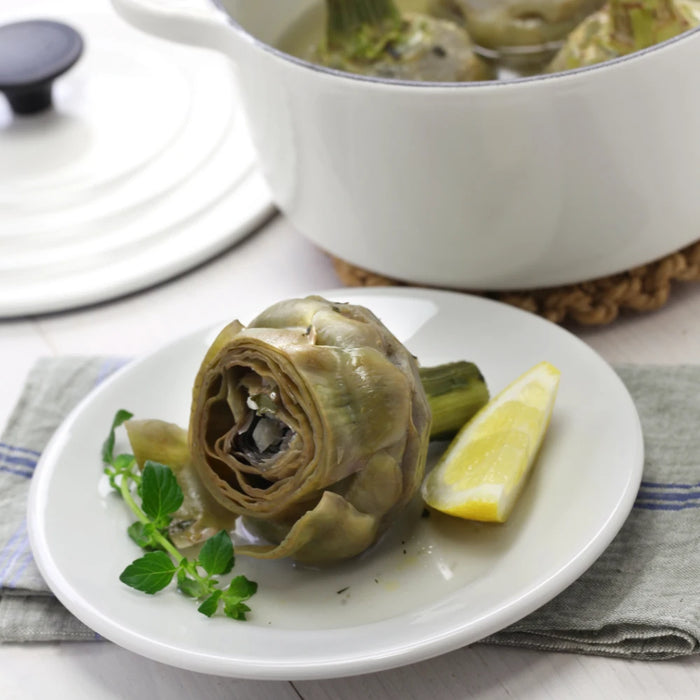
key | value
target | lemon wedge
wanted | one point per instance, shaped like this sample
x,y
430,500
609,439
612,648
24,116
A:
x,y
482,472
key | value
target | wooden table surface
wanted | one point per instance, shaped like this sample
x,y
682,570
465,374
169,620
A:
x,y
273,263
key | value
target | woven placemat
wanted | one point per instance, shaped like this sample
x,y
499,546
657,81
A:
x,y
596,302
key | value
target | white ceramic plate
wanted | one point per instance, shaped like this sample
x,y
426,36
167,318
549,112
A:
x,y
432,585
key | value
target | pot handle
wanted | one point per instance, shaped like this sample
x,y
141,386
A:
x,y
193,22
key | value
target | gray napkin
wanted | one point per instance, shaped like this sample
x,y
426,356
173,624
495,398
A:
x,y
641,599
28,612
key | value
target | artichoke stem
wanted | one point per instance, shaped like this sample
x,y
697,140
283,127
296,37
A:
x,y
455,391
350,22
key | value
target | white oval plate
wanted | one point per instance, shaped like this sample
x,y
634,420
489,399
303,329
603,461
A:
x,y
432,585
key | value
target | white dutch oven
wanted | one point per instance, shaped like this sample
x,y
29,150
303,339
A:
x,y
502,185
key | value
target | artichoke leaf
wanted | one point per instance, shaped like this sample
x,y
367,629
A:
x,y
200,516
332,531
377,489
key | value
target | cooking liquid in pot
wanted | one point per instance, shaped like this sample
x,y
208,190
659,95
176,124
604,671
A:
x,y
501,29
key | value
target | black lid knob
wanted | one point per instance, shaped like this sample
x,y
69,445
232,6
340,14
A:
x,y
32,54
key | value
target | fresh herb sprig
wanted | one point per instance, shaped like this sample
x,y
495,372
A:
x,y
161,496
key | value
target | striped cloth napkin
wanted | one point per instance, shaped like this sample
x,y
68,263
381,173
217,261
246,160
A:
x,y
28,612
640,600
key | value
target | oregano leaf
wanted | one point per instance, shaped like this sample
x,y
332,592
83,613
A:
x,y
236,611
161,495
121,416
216,556
241,588
143,535
150,574
210,605
191,587
123,462
238,590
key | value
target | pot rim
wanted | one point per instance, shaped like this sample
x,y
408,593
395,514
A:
x,y
641,54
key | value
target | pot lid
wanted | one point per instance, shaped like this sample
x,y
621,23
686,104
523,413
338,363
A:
x,y
141,168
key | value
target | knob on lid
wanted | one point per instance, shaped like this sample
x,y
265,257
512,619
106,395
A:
x,y
32,54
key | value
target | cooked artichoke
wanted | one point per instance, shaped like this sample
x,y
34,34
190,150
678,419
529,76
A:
x,y
501,25
374,38
622,27
312,423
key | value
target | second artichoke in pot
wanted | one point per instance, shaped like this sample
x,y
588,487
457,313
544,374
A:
x,y
522,34
377,38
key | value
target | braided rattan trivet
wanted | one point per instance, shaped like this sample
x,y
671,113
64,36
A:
x,y
598,301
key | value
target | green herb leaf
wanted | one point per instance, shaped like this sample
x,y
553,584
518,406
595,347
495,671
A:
x,y
161,495
216,556
121,416
236,611
144,535
123,462
191,587
239,589
150,574
210,605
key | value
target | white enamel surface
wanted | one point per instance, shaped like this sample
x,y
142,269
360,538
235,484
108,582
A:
x,y
432,585
143,169
517,184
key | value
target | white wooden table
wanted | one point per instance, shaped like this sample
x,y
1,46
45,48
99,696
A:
x,y
274,263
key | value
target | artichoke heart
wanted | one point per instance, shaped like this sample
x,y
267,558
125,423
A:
x,y
312,423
